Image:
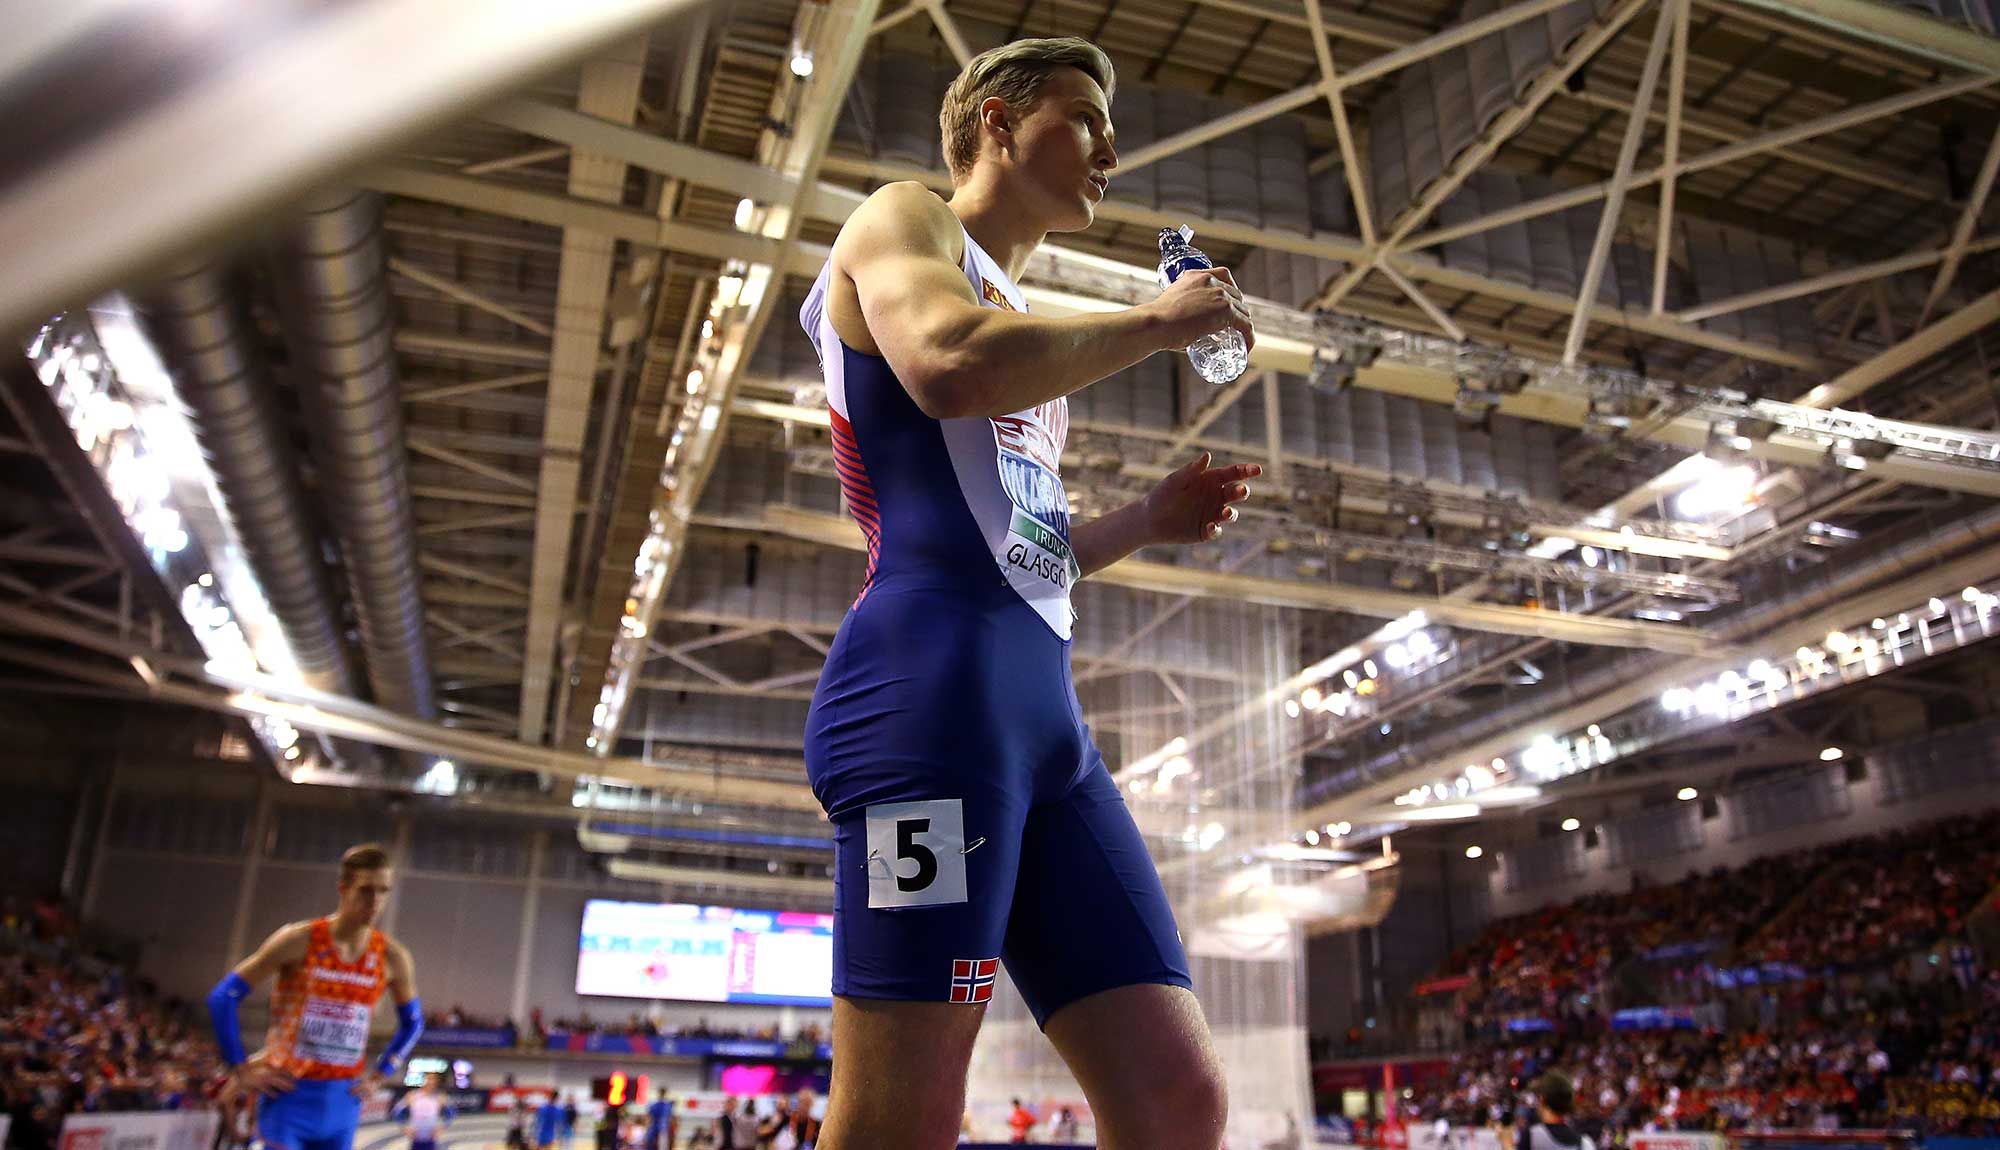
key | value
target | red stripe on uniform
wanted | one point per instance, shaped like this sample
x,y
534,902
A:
x,y
859,491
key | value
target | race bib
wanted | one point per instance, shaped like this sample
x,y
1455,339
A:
x,y
916,853
1037,550
332,1033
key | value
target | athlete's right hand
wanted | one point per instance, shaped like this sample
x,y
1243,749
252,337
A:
x,y
1201,302
260,1078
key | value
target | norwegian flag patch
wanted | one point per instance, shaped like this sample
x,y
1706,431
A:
x,y
972,979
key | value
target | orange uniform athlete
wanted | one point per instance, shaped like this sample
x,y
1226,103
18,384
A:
x,y
329,974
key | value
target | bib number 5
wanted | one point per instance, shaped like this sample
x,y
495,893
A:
x,y
916,853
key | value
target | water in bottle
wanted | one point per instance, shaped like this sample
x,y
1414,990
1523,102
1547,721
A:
x,y
1220,356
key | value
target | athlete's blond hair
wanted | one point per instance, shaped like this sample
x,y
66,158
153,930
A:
x,y
1014,72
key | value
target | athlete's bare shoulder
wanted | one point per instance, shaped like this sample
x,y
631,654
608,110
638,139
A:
x,y
396,951
902,244
286,948
903,218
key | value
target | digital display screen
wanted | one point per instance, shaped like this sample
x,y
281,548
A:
x,y
687,953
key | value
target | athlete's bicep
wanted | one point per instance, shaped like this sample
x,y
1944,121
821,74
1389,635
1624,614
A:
x,y
919,308
402,973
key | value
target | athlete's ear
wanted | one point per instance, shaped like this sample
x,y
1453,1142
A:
x,y
997,120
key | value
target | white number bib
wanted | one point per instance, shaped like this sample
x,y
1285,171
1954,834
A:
x,y
916,853
332,1033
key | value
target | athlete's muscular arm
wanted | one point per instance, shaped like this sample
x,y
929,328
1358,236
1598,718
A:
x,y
958,359
402,971
286,947
1189,506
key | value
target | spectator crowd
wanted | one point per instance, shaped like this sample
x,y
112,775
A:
x,y
78,1035
1833,988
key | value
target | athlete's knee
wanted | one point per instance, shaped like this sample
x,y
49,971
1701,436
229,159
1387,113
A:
x,y
1189,1103
919,1120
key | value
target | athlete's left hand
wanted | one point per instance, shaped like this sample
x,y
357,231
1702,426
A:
x,y
365,1086
1193,504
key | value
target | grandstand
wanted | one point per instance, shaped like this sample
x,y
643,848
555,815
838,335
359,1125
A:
x,y
1811,990
1595,682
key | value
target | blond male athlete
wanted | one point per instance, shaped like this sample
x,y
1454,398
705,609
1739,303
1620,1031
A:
x,y
330,972
975,822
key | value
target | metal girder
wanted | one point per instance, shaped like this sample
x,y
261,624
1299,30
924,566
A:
x,y
518,160
1343,131
42,423
609,90
1458,34
1725,131
1317,486
948,30
420,444
1713,158
188,681
465,295
212,153
1663,238
1435,193
1424,303
1221,126
1961,235
1195,582
1827,281
1425,553
1419,270
418,391
1644,689
636,227
739,177
834,203
839,33
1424,367
827,530
1621,178
1896,27
1978,314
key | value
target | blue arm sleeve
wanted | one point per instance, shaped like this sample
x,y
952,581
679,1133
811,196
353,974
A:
x,y
409,1027
222,1016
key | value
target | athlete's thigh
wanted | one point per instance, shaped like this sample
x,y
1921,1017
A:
x,y
898,1074
1146,1062
1089,912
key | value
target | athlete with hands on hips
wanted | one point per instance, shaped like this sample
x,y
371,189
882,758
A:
x,y
330,972
975,822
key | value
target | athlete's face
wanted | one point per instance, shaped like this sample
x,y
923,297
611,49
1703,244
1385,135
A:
x,y
1064,150
365,893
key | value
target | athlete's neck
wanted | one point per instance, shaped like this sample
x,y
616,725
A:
x,y
995,220
347,932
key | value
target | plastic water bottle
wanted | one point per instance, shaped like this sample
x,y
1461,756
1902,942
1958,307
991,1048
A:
x,y
1220,356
